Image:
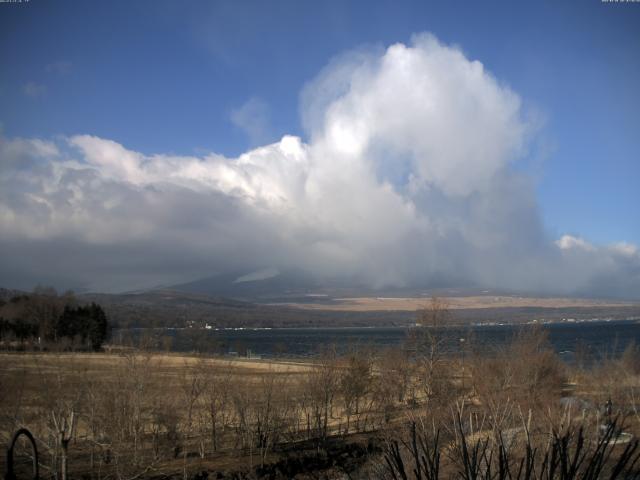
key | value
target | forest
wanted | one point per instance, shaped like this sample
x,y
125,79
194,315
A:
x,y
46,320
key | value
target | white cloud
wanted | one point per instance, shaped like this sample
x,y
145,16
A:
x,y
427,102
625,249
18,149
253,118
406,178
568,242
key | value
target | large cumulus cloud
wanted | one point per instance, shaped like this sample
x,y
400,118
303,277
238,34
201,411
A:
x,y
406,178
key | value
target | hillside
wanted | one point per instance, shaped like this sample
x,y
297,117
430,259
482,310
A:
x,y
166,308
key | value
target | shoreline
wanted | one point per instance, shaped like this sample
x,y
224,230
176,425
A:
x,y
543,322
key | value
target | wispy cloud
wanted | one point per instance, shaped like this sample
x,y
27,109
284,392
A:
x,y
60,67
34,90
253,118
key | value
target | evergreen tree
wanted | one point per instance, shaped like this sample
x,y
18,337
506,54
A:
x,y
87,323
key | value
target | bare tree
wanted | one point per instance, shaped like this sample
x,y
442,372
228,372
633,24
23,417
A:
x,y
192,387
394,373
354,384
321,386
523,375
273,409
60,402
64,426
217,397
429,341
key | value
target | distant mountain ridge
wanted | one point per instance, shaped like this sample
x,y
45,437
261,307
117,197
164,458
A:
x,y
227,285
296,286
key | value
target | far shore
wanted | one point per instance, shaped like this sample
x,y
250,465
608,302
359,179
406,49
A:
x,y
382,304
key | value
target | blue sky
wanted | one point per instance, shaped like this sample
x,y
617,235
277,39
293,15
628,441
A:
x,y
173,77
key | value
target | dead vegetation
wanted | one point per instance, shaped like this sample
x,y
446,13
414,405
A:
x,y
138,413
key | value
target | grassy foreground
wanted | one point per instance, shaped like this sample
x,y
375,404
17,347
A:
x,y
142,414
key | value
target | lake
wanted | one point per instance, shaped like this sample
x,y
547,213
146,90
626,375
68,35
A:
x,y
600,337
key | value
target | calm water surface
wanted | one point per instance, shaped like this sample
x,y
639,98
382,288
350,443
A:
x,y
600,338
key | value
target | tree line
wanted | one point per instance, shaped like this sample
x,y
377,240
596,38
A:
x,y
45,319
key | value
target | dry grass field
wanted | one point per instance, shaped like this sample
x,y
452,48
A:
x,y
142,414
369,304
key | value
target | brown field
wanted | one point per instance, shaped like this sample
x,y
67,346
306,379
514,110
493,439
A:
x,y
369,304
150,412
139,414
